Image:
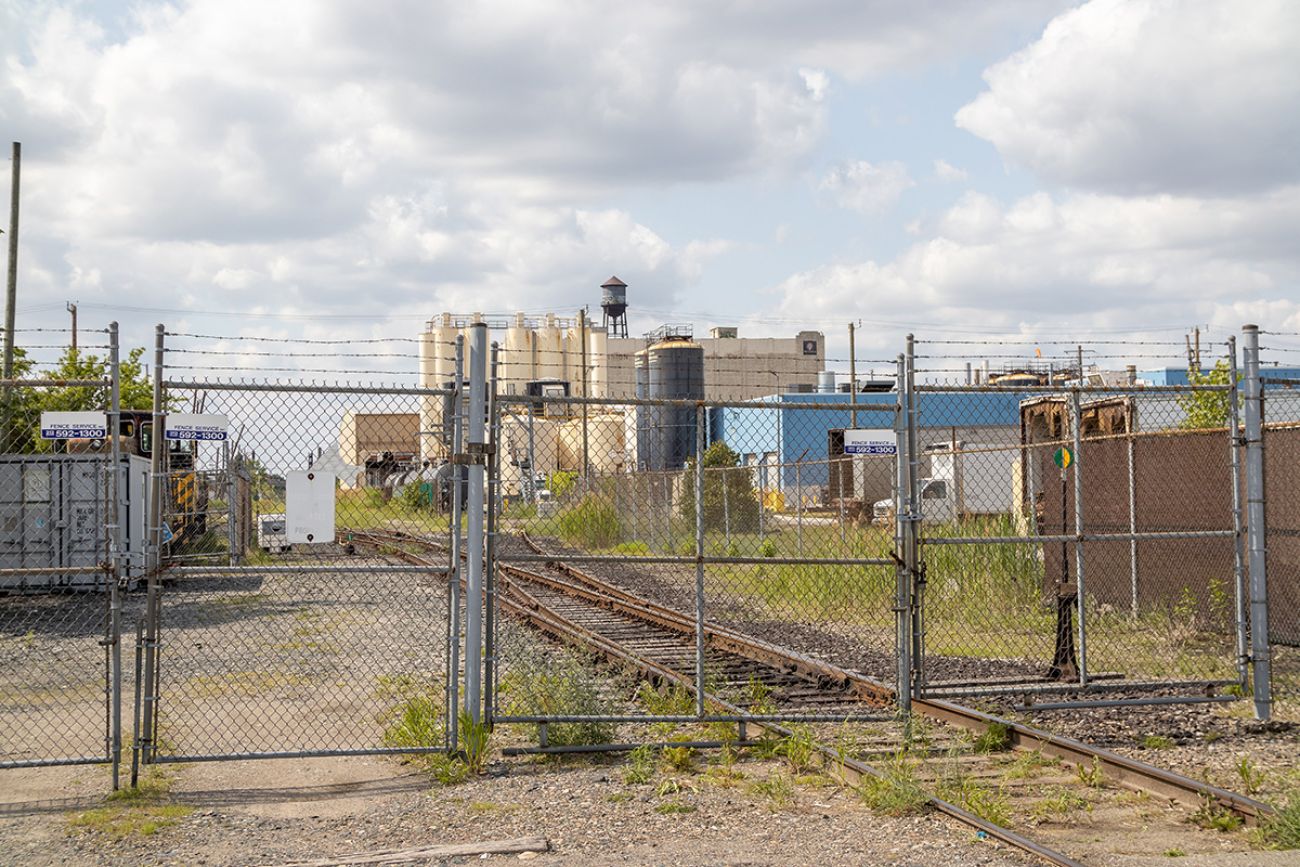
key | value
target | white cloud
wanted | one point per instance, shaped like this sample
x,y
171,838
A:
x,y
1082,261
861,186
945,171
1144,96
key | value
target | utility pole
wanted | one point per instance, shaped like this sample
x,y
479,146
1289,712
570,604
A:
x,y
72,308
11,293
1196,348
853,381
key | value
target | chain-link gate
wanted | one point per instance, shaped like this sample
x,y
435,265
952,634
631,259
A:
x,y
302,605
1075,537
772,539
65,532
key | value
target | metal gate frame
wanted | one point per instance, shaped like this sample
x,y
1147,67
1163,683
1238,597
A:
x,y
914,542
163,567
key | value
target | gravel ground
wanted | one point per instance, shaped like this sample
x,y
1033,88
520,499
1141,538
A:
x,y
273,812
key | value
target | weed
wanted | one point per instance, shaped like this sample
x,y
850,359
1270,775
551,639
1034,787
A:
x,y
416,723
561,685
474,738
1061,802
619,797
960,788
724,776
641,766
674,786
674,808
593,522
896,792
778,789
799,748
674,700
1211,736
141,811
1212,817
767,548
678,759
1156,742
994,739
1028,764
1091,774
1282,829
760,697
1252,778
1174,853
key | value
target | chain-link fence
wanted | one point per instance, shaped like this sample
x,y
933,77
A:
x,y
62,505
1084,538
290,556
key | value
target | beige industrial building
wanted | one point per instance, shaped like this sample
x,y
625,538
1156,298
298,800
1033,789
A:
x,y
550,348
365,434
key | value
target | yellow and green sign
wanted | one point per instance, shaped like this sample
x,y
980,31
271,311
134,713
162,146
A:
x,y
1063,457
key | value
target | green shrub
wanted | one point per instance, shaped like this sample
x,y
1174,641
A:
x,y
591,523
560,685
1282,829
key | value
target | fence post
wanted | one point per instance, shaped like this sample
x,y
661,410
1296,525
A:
x,y
1132,497
116,552
1076,425
902,575
1235,442
915,518
489,567
474,531
153,607
699,559
453,586
1256,529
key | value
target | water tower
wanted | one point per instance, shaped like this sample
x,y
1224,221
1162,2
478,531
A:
x,y
613,301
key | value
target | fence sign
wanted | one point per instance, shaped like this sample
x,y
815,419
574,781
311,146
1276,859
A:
x,y
208,427
73,425
870,441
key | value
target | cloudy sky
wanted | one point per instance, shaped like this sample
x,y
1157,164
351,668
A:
x,y
1036,168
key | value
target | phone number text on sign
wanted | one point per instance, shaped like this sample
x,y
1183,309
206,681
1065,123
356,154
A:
x,y
209,427
73,433
192,434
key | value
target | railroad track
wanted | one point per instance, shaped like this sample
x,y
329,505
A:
x,y
576,607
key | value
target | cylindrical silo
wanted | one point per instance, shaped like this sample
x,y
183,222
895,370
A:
x,y
550,350
826,382
643,414
515,367
675,372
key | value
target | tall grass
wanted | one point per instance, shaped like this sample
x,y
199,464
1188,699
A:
x,y
592,522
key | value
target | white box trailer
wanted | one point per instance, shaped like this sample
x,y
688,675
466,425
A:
x,y
979,475
54,514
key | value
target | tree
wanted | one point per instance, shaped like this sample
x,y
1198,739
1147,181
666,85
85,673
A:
x,y
728,493
24,405
1207,409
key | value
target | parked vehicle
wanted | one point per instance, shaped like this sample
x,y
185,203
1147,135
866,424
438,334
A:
x,y
972,479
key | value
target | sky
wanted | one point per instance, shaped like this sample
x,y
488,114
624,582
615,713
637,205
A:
x,y
1114,172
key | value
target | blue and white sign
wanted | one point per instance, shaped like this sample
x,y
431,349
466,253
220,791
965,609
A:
x,y
870,441
207,427
73,425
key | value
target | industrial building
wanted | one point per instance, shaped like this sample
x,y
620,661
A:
x,y
576,356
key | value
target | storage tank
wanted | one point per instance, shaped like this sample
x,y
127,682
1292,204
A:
x,y
515,366
826,382
550,350
437,364
674,370
604,443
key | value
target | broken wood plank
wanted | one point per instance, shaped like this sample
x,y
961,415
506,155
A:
x,y
445,850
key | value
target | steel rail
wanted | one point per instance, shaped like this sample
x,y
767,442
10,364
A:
x,y
1128,772
851,771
